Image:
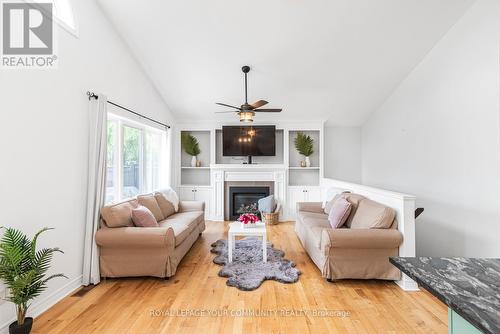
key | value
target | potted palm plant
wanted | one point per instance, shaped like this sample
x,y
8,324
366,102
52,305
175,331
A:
x,y
190,145
23,269
304,145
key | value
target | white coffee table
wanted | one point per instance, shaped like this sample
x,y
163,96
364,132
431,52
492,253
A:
x,y
237,229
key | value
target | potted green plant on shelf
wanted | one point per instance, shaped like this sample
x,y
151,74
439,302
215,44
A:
x,y
23,270
190,145
304,145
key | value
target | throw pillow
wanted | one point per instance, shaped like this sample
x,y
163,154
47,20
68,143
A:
x,y
354,199
166,207
329,195
371,214
171,196
267,204
143,217
149,201
339,213
329,204
120,214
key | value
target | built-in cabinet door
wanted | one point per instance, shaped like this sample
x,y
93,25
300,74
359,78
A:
x,y
458,325
295,195
197,193
313,194
301,194
204,195
186,193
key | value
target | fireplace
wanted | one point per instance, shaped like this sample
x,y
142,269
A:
x,y
243,197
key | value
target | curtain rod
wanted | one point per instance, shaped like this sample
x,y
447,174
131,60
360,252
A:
x,y
91,95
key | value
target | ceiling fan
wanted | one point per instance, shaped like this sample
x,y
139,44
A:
x,y
247,111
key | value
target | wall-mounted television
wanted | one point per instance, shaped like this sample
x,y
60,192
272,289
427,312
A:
x,y
249,140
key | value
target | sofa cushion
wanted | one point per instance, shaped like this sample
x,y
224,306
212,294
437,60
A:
x,y
143,217
371,214
183,223
171,196
149,201
314,227
306,214
339,213
166,207
119,214
354,199
309,207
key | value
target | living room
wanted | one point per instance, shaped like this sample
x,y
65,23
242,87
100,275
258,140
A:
x,y
231,166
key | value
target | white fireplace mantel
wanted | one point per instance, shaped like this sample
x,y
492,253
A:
x,y
246,166
221,173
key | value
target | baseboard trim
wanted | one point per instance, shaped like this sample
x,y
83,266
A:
x,y
407,284
47,302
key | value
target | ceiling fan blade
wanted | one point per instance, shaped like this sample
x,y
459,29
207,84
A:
x,y
225,112
267,110
259,104
227,105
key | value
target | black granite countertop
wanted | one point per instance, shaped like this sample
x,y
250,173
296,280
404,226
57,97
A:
x,y
469,286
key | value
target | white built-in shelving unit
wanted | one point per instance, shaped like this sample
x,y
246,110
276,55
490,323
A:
x,y
303,182
196,175
293,183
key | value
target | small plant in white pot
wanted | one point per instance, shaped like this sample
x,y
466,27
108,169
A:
x,y
190,145
23,270
304,145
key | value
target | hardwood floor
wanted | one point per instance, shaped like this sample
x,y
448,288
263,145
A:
x,y
134,305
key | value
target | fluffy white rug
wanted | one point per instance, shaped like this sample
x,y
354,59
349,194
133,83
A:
x,y
247,271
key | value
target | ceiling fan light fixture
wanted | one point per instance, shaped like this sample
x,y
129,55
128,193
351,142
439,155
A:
x,y
246,116
247,111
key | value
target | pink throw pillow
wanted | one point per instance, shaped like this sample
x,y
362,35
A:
x,y
143,217
339,213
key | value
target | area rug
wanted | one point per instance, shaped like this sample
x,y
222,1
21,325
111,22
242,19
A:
x,y
247,271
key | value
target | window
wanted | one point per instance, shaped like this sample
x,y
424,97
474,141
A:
x,y
111,175
63,13
135,160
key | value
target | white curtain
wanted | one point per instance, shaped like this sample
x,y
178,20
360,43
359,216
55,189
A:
x,y
167,156
96,186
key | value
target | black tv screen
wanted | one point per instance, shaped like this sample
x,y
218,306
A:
x,y
249,140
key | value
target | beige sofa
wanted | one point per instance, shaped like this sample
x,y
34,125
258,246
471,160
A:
x,y
355,251
126,250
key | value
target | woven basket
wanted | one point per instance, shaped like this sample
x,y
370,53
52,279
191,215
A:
x,y
272,218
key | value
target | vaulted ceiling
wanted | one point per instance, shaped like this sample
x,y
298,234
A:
x,y
334,60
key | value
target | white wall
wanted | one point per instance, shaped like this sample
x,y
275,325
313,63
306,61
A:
x,y
343,153
437,137
43,138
